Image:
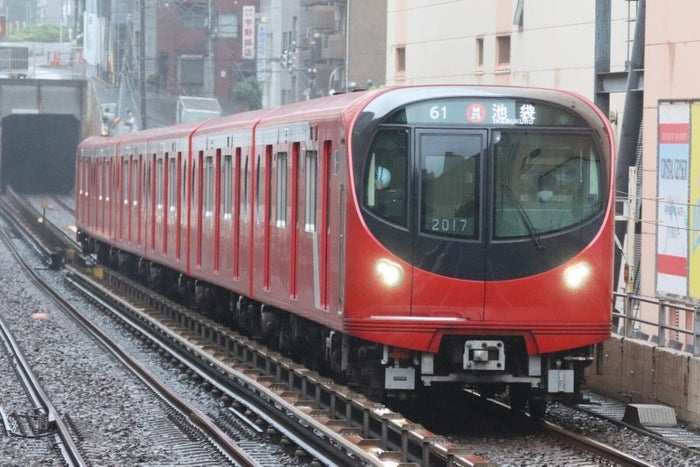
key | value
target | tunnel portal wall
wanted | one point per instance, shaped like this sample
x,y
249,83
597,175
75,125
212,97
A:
x,y
38,153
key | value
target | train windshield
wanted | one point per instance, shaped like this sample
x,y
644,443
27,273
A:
x,y
541,181
449,183
387,176
544,182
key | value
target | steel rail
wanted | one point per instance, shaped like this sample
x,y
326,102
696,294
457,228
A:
x,y
40,399
204,423
366,430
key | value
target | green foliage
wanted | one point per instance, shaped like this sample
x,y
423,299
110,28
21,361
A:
x,y
248,92
43,33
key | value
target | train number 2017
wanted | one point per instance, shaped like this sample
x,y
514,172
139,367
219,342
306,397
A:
x,y
454,225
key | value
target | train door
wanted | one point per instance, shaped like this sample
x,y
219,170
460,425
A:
x,y
225,203
160,226
172,212
325,222
108,196
124,205
293,220
238,189
196,225
100,209
266,212
214,199
448,238
138,200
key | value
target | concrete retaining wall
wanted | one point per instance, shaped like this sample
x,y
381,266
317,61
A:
x,y
640,372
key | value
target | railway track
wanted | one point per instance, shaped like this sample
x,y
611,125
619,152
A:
x,y
43,419
184,410
359,429
332,422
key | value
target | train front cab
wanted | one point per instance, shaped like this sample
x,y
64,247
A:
x,y
490,239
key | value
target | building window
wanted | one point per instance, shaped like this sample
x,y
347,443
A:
x,y
228,25
503,51
400,60
518,17
194,15
479,52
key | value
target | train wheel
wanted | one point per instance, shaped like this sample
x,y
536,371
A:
x,y
538,407
518,395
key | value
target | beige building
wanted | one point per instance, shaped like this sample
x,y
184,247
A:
x,y
541,43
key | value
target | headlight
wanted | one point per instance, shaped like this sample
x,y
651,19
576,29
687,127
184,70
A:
x,y
575,276
390,273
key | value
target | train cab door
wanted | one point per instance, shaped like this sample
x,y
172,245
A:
x,y
448,232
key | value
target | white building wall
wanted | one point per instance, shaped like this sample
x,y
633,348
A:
x,y
554,48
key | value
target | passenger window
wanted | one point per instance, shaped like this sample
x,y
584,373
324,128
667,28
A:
x,y
227,169
386,176
311,201
281,189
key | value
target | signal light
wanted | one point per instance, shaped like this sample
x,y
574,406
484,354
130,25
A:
x,y
3,25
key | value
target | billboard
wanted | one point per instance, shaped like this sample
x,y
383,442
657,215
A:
x,y
672,199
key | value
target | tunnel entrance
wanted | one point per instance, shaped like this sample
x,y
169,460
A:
x,y
38,153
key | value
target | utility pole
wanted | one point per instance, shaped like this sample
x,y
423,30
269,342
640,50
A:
x,y
142,64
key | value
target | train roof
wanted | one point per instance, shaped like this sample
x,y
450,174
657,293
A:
x,y
379,102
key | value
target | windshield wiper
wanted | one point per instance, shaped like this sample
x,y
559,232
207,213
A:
x,y
524,217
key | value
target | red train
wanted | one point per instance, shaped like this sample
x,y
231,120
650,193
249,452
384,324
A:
x,y
403,237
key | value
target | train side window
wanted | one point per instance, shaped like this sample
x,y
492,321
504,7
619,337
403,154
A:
x,y
227,176
258,190
172,185
246,190
183,191
108,179
135,181
208,186
159,183
386,176
99,179
311,191
195,184
281,189
125,181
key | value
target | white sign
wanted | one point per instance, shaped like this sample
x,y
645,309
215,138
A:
x,y
248,36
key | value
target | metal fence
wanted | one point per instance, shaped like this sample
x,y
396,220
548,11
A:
x,y
628,322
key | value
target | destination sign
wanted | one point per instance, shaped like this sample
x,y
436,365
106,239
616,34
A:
x,y
498,112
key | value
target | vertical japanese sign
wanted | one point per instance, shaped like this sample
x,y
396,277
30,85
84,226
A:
x,y
694,219
262,51
672,204
248,33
